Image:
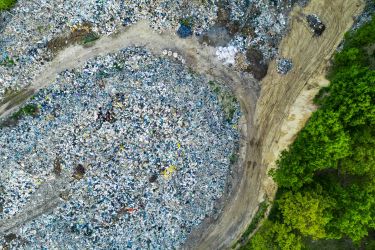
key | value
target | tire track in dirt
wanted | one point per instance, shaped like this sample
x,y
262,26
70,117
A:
x,y
269,125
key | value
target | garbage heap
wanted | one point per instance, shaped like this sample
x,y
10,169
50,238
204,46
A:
x,y
143,142
33,31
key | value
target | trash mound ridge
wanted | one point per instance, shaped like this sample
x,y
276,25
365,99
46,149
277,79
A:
x,y
141,148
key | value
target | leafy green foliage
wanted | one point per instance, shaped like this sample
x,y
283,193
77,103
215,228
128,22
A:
x,y
28,110
318,147
90,38
308,212
227,100
327,176
274,236
354,212
7,4
7,62
361,159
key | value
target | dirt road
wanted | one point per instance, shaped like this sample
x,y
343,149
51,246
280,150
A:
x,y
270,122
286,102
201,59
284,105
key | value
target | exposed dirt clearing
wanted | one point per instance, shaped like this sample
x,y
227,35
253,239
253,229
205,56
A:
x,y
283,108
286,102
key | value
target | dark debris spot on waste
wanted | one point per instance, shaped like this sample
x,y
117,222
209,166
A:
x,y
315,24
184,31
79,171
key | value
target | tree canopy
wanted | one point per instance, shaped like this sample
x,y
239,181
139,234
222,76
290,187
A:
x,y
326,178
6,4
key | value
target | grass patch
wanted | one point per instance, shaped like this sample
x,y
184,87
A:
x,y
14,98
233,158
81,34
7,62
188,21
90,38
27,110
226,99
254,223
7,4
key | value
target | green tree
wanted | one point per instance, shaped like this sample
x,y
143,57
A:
x,y
355,210
352,95
275,236
308,212
6,4
361,160
319,146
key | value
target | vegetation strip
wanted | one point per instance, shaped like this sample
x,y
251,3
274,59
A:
x,y
7,4
259,216
326,178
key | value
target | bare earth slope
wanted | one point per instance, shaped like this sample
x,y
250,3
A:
x,y
286,103
284,106
270,124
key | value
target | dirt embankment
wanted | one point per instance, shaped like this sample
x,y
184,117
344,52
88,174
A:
x,y
284,106
270,124
286,102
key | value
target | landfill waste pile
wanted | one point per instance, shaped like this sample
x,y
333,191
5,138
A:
x,y
145,145
131,150
34,31
284,65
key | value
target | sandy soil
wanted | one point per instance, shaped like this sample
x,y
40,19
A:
x,y
286,103
271,121
284,106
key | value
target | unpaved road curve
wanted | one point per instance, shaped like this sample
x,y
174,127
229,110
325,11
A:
x,y
270,123
284,105
200,58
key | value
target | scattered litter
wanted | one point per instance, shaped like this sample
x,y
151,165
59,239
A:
x,y
284,65
227,54
184,31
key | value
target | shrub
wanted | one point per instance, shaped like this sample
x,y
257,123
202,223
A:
x,y
7,4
